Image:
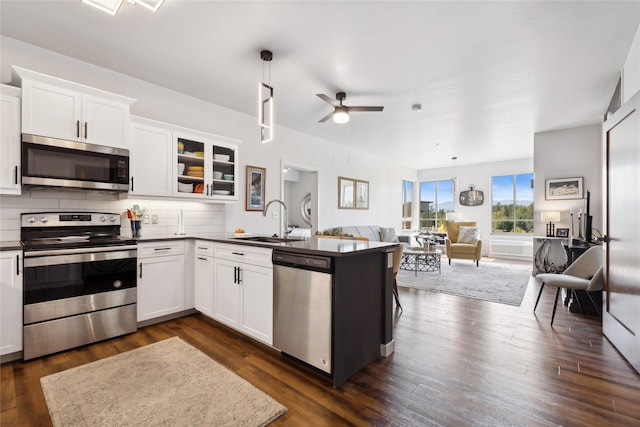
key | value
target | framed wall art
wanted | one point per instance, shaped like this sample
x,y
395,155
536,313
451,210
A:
x,y
563,188
256,182
362,194
346,193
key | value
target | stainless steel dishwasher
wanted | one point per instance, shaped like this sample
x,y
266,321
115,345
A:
x,y
302,307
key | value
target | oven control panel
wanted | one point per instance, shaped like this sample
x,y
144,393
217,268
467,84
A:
x,y
51,219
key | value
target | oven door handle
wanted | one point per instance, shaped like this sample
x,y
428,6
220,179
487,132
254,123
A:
x,y
61,259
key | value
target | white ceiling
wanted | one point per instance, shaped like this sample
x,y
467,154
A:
x,y
488,74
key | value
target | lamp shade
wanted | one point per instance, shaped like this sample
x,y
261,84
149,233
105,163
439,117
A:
x,y
550,216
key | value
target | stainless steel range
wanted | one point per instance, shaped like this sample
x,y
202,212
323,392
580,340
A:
x,y
79,280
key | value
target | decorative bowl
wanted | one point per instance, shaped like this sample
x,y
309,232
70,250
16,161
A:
x,y
222,157
227,177
217,175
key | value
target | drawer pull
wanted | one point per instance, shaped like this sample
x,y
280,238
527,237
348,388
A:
x,y
202,258
162,249
237,253
203,248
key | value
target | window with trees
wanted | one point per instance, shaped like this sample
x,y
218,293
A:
x,y
512,203
436,199
407,196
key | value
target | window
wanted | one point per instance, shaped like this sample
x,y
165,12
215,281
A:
x,y
436,199
407,208
512,203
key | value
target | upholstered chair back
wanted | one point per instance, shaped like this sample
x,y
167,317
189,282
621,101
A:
x,y
453,228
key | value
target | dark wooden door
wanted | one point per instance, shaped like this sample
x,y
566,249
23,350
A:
x,y
621,317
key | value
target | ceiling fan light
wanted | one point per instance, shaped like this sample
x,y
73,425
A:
x,y
341,115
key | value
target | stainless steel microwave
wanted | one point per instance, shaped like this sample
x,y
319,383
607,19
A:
x,y
51,162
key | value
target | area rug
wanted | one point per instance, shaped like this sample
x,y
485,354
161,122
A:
x,y
169,383
491,281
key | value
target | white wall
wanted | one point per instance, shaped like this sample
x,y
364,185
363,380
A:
x,y
631,70
568,153
479,176
154,102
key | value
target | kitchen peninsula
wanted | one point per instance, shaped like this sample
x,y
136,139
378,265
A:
x,y
361,297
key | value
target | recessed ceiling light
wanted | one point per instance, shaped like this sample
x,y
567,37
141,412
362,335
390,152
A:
x,y
416,107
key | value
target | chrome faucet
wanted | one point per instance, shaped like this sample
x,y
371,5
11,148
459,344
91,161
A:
x,y
286,215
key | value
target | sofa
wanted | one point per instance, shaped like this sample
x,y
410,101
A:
x,y
376,233
463,241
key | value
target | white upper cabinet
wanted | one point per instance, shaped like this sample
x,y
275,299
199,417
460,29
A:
x,y
58,108
151,158
10,141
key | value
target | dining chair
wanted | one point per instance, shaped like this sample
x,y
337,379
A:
x,y
584,274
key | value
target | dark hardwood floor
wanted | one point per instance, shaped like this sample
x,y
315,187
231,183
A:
x,y
458,362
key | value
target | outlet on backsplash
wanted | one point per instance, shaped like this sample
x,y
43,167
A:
x,y
154,219
145,219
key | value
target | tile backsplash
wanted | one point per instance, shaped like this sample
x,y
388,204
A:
x,y
198,217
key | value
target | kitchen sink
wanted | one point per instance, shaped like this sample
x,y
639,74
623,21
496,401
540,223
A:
x,y
269,239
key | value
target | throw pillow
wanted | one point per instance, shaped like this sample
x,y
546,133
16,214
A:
x,y
468,235
388,234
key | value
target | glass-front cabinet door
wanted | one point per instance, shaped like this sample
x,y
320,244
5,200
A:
x,y
206,167
224,176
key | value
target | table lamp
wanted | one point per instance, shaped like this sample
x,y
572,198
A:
x,y
551,216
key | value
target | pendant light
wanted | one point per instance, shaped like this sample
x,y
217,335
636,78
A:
x,y
265,100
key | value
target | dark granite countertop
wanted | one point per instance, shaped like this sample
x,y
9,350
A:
x,y
317,246
312,246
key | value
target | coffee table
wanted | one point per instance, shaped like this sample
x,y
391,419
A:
x,y
421,259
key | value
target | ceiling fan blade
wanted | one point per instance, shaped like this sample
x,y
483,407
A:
x,y
328,100
325,118
362,108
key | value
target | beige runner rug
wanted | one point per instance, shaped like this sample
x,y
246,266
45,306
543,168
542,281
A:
x,y
168,383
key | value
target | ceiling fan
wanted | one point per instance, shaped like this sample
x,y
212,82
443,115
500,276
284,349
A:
x,y
341,112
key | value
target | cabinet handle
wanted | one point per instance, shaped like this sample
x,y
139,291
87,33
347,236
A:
x,y
202,258
235,275
85,130
131,183
17,265
140,270
162,249
207,189
239,276
15,179
237,253
77,128
203,248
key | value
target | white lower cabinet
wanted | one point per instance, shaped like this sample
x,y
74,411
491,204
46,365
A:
x,y
11,302
243,290
204,276
160,279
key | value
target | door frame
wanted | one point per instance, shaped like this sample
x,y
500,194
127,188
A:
x,y
288,164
